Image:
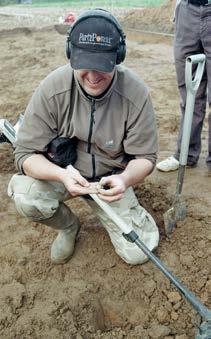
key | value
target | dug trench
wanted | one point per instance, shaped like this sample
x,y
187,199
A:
x,y
96,294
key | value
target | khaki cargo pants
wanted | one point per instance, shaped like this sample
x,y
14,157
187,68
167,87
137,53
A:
x,y
43,201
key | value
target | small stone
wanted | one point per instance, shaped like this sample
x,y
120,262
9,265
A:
x,y
177,306
78,336
187,260
22,261
172,261
208,286
149,289
174,315
201,283
174,297
162,316
200,254
159,331
209,235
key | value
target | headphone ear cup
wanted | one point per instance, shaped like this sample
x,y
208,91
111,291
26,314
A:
x,y
68,49
121,53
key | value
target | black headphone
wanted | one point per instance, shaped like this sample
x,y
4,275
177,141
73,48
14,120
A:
x,y
102,13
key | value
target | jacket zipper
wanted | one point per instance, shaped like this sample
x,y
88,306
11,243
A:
x,y
92,122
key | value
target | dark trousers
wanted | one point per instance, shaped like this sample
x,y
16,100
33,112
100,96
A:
x,y
193,36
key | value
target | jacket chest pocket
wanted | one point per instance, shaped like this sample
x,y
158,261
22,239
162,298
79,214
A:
x,y
109,145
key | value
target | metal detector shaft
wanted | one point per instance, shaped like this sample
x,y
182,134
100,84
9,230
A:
x,y
132,236
112,214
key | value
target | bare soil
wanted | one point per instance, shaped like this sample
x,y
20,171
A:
x,y
159,19
96,294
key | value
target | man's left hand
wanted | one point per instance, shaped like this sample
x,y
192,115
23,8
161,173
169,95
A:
x,y
116,187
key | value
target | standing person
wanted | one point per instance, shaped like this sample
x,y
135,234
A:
x,y
192,36
104,115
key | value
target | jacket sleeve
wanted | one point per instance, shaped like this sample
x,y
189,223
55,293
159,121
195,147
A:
x,y
38,128
141,137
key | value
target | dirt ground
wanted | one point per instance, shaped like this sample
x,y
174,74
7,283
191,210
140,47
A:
x,y
96,294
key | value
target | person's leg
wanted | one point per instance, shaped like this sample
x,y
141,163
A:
x,y
132,213
42,201
187,42
206,40
208,159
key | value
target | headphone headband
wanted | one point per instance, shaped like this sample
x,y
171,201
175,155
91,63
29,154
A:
x,y
96,13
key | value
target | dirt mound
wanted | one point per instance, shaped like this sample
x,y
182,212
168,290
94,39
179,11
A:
x,y
62,28
16,30
154,19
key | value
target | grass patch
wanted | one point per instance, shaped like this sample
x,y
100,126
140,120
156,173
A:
x,y
99,3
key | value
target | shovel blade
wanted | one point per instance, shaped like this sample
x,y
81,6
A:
x,y
176,213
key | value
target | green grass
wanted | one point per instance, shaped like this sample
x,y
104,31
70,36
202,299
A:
x,y
98,3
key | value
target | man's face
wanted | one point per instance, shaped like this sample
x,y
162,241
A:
x,y
94,83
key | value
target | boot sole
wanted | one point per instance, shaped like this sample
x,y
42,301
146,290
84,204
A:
x,y
60,262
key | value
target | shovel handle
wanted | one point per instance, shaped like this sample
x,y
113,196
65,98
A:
x,y
192,85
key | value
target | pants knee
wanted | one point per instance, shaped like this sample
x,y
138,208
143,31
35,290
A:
x,y
37,210
131,254
33,198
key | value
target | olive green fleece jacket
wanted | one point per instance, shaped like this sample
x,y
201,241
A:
x,y
111,130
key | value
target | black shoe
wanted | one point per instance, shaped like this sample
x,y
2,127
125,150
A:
x,y
191,165
209,167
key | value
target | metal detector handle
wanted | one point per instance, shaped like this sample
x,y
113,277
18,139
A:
x,y
192,85
8,130
125,228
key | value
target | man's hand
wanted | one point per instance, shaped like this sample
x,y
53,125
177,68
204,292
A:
x,y
75,183
116,187
134,173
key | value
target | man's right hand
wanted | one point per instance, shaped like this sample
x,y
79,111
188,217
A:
x,y
75,183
